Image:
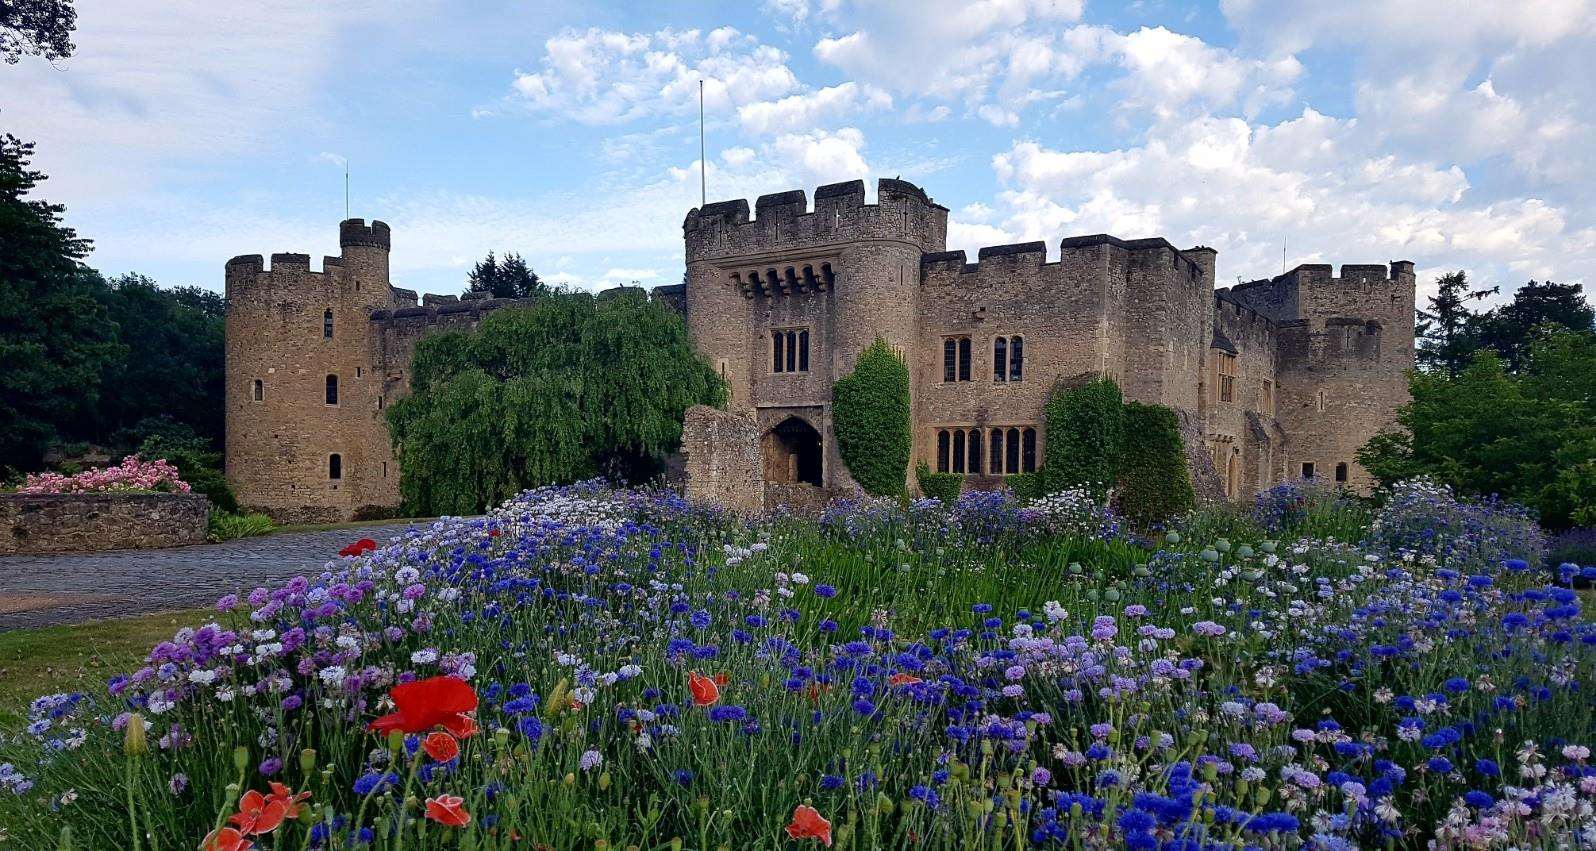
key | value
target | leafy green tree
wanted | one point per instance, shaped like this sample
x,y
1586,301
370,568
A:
x,y
870,416
1448,331
1512,328
1085,434
172,357
55,338
36,28
507,278
1529,437
566,389
1154,484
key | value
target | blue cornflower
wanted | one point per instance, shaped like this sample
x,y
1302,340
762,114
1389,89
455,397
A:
x,y
832,781
826,591
700,619
1478,799
728,713
682,776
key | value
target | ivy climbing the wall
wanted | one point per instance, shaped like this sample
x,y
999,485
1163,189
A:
x,y
1085,435
1154,483
870,416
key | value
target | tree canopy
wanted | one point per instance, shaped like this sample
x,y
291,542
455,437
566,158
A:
x,y
507,278
1085,436
56,340
1529,436
36,28
571,387
172,358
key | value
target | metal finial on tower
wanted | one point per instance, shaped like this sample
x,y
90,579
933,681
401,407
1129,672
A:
x,y
346,187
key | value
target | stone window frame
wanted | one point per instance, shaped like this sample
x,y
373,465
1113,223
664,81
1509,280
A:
x,y
1012,368
799,352
331,391
1343,472
959,449
1266,397
1308,468
257,390
335,466
327,324
1225,378
958,357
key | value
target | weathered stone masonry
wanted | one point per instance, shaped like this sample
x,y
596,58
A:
x,y
84,522
1271,379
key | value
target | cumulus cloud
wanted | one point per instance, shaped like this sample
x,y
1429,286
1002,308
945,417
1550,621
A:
x,y
598,76
805,110
1247,190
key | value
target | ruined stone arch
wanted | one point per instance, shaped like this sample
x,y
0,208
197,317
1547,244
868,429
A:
x,y
793,452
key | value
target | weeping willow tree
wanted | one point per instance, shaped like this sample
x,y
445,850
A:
x,y
569,388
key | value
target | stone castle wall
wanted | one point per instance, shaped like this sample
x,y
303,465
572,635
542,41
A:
x,y
83,522
1318,361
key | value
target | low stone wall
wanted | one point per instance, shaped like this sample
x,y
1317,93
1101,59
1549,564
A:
x,y
60,523
723,461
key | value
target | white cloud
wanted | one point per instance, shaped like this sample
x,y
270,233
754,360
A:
x,y
607,77
1168,70
823,157
1223,183
801,111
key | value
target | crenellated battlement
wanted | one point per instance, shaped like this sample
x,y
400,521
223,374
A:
x,y
355,232
1070,248
783,220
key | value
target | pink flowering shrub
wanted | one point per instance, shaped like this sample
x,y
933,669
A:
x,y
130,475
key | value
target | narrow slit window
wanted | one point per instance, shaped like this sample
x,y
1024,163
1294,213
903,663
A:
x,y
332,389
1000,359
803,351
1028,451
958,451
1011,451
326,324
949,359
792,351
1016,358
335,466
943,441
778,344
975,453
260,390
964,358
995,457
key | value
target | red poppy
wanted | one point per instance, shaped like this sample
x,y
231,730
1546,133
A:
x,y
722,679
494,533
425,704
816,690
441,746
226,839
447,809
902,679
461,726
705,690
359,548
807,823
289,800
258,814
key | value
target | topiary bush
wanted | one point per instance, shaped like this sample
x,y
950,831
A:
x,y
941,486
1025,486
1154,484
870,416
1085,435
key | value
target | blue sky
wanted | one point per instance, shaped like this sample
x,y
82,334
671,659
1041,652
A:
x,y
1457,135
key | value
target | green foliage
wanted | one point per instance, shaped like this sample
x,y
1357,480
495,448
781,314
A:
x,y
507,278
177,444
171,362
1085,434
36,28
569,388
1025,486
1154,484
1512,329
55,337
942,486
227,526
870,416
1447,333
1529,437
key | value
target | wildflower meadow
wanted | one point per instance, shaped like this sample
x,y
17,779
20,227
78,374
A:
x,y
591,668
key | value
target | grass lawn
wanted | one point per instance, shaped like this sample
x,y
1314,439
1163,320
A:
x,y
351,524
77,657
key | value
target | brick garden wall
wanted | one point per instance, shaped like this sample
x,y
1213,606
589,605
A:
x,y
59,523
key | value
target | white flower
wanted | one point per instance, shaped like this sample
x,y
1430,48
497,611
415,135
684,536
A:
x,y
424,657
202,677
332,674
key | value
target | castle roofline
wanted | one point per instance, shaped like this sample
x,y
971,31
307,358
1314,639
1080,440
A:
x,y
851,193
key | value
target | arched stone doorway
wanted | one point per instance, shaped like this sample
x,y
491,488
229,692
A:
x,y
793,453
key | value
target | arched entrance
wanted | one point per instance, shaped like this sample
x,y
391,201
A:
x,y
792,453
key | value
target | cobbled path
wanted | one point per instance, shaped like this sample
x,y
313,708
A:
x,y
72,587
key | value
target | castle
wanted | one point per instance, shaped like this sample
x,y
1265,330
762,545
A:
x,y
1278,378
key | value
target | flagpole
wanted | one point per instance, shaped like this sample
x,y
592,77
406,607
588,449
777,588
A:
x,y
703,175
